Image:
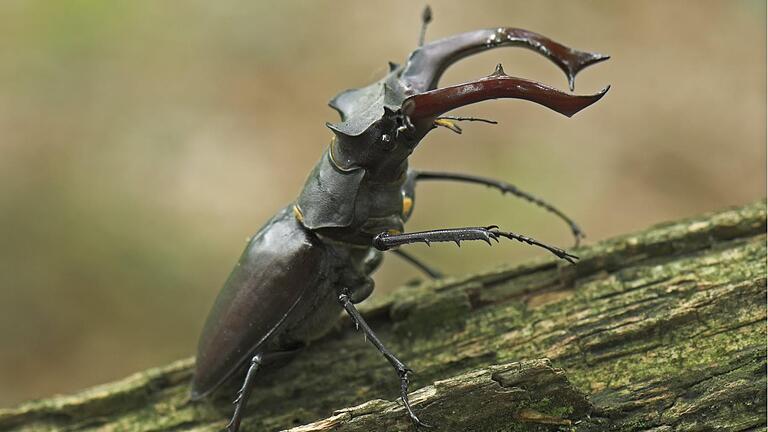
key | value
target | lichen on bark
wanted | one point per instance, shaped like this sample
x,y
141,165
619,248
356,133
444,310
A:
x,y
661,330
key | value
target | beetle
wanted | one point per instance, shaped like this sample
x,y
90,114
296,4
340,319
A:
x,y
315,256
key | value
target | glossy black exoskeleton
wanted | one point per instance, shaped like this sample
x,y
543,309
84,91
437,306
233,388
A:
x,y
316,255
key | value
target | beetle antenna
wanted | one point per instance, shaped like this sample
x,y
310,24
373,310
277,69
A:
x,y
426,18
474,119
449,122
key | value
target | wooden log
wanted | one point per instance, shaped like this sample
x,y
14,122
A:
x,y
663,330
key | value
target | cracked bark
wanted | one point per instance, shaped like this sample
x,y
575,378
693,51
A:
x,y
663,330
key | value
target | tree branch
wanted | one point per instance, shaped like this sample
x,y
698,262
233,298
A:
x,y
660,330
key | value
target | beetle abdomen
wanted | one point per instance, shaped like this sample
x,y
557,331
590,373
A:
x,y
275,273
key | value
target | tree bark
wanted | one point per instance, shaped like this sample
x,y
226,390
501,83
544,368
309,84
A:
x,y
663,330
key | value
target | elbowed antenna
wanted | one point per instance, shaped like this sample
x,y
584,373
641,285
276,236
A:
x,y
427,63
425,107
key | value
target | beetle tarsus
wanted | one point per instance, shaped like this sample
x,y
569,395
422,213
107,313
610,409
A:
x,y
560,253
400,367
404,382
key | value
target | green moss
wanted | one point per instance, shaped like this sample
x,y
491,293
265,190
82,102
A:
x,y
663,329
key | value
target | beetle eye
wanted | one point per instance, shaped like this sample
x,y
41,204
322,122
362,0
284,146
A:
x,y
387,143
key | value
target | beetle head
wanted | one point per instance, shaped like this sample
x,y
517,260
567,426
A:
x,y
372,131
382,123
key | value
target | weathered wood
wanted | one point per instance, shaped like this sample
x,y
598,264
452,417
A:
x,y
661,330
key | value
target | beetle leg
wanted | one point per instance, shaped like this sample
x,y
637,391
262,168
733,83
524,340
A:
x,y
504,188
244,393
259,360
385,241
427,63
432,273
400,367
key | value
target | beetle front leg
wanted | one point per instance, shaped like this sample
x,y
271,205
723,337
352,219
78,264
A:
x,y
504,188
400,367
386,241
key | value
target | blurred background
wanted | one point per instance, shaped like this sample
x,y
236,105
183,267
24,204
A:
x,y
141,143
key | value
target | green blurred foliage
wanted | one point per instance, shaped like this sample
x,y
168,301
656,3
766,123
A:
x,y
141,142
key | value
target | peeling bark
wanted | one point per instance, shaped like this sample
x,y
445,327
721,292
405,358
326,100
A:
x,y
663,330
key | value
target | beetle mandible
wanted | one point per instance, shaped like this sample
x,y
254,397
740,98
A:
x,y
315,256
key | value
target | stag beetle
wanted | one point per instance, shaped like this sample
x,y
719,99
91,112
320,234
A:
x,y
315,256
